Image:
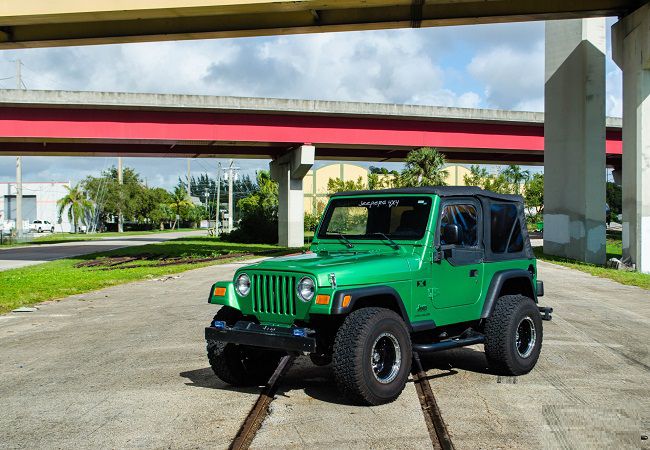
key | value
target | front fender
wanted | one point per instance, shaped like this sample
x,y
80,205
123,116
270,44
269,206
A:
x,y
228,298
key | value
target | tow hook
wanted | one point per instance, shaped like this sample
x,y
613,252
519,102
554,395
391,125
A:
x,y
545,311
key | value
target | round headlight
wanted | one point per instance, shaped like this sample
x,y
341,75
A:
x,y
243,285
306,289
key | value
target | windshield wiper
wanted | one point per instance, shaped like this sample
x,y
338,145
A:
x,y
348,244
392,242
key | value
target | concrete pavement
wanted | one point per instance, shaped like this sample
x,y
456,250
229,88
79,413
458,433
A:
x,y
125,367
14,257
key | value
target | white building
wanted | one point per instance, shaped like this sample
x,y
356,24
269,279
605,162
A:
x,y
39,203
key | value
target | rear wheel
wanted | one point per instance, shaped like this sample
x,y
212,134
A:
x,y
513,335
372,356
240,365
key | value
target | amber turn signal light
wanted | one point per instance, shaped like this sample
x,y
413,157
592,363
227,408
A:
x,y
346,301
322,299
219,291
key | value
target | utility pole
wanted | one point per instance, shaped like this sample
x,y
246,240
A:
x,y
231,170
19,166
19,197
120,181
216,231
189,170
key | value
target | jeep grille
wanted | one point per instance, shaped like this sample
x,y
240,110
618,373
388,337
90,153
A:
x,y
274,294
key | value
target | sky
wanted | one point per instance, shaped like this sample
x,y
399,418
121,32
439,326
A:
x,y
480,66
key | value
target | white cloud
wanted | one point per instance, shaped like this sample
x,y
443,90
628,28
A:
x,y
512,78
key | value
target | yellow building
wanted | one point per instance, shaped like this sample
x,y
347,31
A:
x,y
315,182
456,174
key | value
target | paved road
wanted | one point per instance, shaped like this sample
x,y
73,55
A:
x,y
125,367
12,258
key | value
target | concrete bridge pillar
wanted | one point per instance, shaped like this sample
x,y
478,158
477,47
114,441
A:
x,y
289,170
574,140
631,52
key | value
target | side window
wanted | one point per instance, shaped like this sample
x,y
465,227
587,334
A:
x,y
466,217
506,229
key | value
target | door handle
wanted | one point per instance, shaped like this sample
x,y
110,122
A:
x,y
473,273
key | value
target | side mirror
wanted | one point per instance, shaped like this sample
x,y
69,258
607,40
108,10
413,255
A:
x,y
451,234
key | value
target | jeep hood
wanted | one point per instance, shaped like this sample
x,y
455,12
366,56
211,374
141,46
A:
x,y
350,268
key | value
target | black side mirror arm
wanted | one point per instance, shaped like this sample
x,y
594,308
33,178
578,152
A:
x,y
437,254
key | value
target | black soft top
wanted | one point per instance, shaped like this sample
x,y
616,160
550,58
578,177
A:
x,y
441,191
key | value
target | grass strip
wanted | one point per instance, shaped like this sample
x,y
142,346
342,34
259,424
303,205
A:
x,y
58,279
638,279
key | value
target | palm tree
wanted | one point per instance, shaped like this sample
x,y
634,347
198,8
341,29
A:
x,y
180,200
77,204
424,167
516,176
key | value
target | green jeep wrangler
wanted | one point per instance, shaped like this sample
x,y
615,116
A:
x,y
389,273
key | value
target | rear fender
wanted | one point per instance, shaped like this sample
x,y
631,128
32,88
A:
x,y
511,281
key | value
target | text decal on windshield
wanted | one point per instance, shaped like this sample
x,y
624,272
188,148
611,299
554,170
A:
x,y
378,203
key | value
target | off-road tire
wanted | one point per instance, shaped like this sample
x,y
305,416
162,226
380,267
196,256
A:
x,y
500,335
240,365
351,360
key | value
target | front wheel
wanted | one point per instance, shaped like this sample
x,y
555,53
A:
x,y
372,356
513,335
240,365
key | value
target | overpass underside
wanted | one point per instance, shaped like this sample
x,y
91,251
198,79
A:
x,y
38,23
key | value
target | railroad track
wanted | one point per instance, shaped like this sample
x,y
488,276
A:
x,y
433,418
260,409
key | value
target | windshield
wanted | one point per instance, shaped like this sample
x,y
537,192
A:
x,y
397,218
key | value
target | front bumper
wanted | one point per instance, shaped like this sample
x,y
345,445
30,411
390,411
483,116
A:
x,y
249,333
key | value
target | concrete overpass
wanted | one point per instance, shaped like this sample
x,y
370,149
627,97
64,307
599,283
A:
x,y
37,23
63,123
575,133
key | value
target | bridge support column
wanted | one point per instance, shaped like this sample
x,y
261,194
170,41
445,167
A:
x,y
574,140
631,51
288,171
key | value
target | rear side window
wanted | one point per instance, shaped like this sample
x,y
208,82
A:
x,y
505,229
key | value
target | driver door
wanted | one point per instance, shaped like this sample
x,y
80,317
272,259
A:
x,y
457,278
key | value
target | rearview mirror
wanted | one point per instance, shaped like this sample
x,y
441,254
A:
x,y
451,234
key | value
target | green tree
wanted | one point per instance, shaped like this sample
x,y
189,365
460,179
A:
x,y
424,167
614,196
180,202
335,185
478,176
258,213
382,178
112,198
534,195
516,177
77,204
